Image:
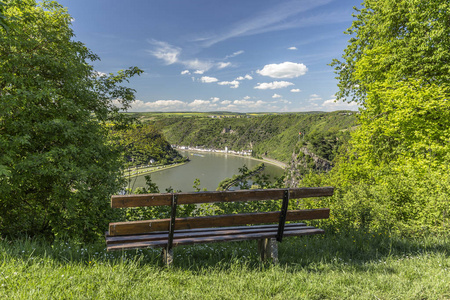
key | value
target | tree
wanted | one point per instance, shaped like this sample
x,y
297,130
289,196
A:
x,y
57,165
394,173
397,67
143,142
402,40
2,17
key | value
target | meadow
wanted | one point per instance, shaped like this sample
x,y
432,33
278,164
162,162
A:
x,y
350,265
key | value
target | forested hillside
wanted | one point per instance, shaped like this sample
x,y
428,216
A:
x,y
144,144
272,135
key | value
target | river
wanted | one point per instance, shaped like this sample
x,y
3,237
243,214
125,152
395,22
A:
x,y
210,168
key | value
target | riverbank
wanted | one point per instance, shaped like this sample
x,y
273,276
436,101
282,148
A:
x,y
273,162
243,153
148,170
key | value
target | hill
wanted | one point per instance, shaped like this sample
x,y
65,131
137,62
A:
x,y
275,135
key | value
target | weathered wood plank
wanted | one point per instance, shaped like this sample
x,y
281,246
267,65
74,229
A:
x,y
142,227
202,232
212,239
118,201
118,238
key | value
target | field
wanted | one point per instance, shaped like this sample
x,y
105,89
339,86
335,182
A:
x,y
358,265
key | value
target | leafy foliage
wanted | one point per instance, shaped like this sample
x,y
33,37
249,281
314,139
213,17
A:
x,y
155,212
57,165
3,22
395,39
394,172
142,144
245,180
397,67
241,181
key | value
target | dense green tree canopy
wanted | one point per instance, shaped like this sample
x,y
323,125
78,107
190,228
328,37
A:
x,y
394,174
144,143
397,66
57,166
397,41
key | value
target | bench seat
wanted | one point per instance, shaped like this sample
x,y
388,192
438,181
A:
x,y
158,239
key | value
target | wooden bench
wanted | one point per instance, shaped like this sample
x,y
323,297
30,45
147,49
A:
x,y
168,233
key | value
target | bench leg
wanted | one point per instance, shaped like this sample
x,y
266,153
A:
x,y
167,257
268,249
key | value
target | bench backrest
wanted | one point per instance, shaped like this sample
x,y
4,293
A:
x,y
174,199
144,200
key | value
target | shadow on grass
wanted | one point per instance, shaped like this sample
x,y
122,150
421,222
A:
x,y
356,249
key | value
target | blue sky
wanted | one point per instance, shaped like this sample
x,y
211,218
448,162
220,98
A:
x,y
220,55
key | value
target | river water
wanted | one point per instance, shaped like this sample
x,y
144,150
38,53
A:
x,y
210,168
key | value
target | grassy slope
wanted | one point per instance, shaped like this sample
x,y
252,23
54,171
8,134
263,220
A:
x,y
334,266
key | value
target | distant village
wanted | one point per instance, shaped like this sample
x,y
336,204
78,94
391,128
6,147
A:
x,y
226,150
229,116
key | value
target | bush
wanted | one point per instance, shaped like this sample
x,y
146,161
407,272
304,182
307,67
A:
x,y
408,202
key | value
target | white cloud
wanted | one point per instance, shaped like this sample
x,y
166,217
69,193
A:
x,y
247,97
171,54
199,103
249,104
286,101
295,90
159,105
292,48
248,77
197,64
314,97
214,104
283,70
330,102
99,74
200,72
278,17
168,53
233,84
185,72
222,65
273,85
234,54
277,96
207,79
332,105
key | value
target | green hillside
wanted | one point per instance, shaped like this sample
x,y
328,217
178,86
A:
x,y
272,135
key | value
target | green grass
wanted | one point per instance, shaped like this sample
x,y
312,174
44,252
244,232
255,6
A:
x,y
335,266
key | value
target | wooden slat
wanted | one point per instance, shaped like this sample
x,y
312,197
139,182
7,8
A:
x,y
142,227
162,235
142,200
212,239
112,237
